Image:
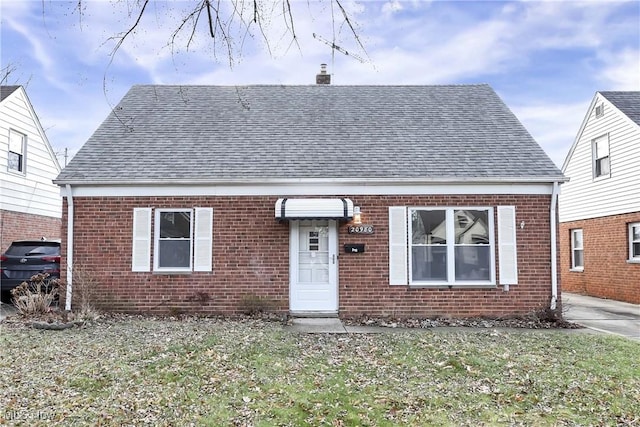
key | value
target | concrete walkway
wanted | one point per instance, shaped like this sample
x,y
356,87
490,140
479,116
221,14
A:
x,y
596,314
333,325
602,315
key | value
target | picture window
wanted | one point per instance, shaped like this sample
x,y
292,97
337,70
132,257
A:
x,y
451,245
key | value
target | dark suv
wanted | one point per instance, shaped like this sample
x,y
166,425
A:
x,y
26,258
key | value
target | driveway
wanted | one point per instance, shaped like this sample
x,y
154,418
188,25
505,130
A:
x,y
604,315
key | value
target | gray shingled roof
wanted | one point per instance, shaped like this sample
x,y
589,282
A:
x,y
627,102
6,91
227,133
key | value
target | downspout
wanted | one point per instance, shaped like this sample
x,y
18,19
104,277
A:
x,y
554,250
69,249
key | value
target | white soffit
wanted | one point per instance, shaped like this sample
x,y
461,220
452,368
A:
x,y
313,208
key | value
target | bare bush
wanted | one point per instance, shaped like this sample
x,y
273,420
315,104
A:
x,y
84,287
254,304
35,297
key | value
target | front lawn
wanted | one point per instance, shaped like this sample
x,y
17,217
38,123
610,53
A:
x,y
223,373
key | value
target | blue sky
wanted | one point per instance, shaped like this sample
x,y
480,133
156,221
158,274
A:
x,y
546,59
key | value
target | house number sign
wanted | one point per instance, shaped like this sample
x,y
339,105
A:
x,y
361,229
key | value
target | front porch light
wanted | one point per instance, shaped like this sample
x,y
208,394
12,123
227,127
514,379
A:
x,y
357,219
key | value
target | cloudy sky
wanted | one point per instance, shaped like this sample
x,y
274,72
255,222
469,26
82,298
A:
x,y
546,59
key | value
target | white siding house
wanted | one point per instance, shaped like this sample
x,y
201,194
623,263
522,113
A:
x,y
599,208
615,189
30,203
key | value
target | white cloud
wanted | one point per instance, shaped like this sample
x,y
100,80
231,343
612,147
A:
x,y
391,7
553,125
564,50
38,51
621,70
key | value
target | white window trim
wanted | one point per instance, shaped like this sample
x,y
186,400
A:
x,y
156,240
201,247
450,282
633,259
573,249
594,159
23,152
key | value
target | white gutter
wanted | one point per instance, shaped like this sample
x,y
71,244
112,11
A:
x,y
327,180
554,259
69,248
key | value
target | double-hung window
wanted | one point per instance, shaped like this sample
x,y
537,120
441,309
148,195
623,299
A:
x,y
601,160
577,250
17,148
451,246
173,239
634,242
182,239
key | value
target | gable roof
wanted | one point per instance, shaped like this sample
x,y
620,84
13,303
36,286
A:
x,y
627,102
5,91
209,134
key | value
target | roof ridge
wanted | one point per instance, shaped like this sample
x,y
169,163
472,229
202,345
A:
x,y
313,85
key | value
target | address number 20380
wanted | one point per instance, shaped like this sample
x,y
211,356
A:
x,y
361,229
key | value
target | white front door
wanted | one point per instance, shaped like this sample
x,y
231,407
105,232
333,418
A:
x,y
313,261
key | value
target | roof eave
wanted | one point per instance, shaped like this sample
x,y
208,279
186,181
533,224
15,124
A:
x,y
351,181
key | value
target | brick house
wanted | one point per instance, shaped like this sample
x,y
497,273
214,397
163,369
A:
x,y
314,200
30,203
600,205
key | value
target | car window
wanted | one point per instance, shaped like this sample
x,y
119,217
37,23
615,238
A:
x,y
33,249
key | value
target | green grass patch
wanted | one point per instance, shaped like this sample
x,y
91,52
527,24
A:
x,y
218,373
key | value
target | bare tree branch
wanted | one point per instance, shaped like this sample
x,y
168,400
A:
x,y
121,40
213,36
131,29
5,73
193,30
230,24
352,28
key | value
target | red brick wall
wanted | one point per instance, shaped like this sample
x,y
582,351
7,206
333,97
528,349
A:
x,y
607,274
20,226
251,260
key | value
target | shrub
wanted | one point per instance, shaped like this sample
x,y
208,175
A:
x,y
36,296
253,304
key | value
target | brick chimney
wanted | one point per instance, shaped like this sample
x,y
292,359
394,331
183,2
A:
x,y
323,78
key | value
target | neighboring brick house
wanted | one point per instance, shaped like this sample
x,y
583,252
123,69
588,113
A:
x,y
314,200
600,205
30,203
